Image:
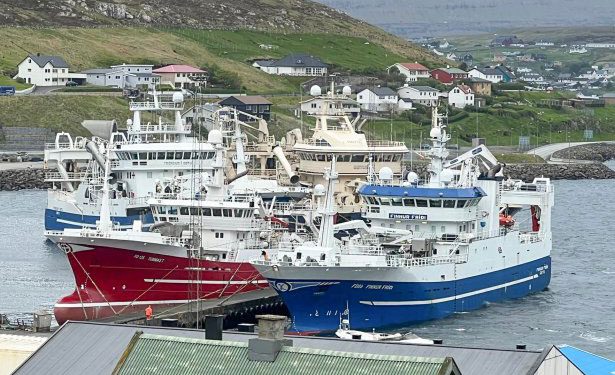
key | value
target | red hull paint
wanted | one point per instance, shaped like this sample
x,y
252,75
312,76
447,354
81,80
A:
x,y
114,281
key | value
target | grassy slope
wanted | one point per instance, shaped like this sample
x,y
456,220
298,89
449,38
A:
x,y
61,113
7,81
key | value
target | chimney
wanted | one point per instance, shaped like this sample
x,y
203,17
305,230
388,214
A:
x,y
270,339
213,327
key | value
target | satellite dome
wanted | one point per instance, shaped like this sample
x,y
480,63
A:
x,y
315,90
319,190
385,174
215,137
412,177
435,133
129,122
346,91
446,176
178,97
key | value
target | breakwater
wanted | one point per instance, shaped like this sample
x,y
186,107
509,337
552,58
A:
x,y
599,152
20,179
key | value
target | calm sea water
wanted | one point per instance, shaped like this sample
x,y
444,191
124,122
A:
x,y
577,309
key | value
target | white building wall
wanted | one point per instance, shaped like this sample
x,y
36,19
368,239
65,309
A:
x,y
45,76
428,98
556,364
459,99
369,101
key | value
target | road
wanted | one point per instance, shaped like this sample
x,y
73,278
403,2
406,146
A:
x,y
547,151
21,165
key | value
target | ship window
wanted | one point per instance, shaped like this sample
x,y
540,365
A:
x,y
345,158
183,210
206,211
374,210
320,157
143,155
396,201
227,212
195,155
217,212
358,158
385,201
162,218
421,203
154,210
179,155
409,202
298,256
187,155
170,155
461,203
194,211
172,210
435,203
134,156
152,155
388,157
397,158
162,210
329,157
161,156
449,203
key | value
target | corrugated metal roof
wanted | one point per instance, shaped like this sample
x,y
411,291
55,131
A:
x,y
587,362
95,348
155,354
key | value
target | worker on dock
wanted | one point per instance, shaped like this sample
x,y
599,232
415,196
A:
x,y
148,313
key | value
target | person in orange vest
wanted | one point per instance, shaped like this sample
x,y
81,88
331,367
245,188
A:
x,y
148,312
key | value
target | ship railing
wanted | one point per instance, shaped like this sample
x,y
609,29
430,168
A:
x,y
530,237
402,261
70,176
519,185
384,143
152,106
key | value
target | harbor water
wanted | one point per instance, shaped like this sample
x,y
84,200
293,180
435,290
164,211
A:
x,y
577,309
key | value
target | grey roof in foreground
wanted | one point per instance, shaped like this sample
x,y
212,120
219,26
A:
x,y
382,91
42,60
99,71
299,60
95,348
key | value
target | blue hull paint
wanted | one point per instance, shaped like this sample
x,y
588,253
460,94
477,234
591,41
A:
x,y
317,308
58,220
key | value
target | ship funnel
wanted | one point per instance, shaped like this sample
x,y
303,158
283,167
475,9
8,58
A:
x,y
279,153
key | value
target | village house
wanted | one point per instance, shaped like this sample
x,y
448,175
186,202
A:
x,y
505,41
254,105
404,104
490,74
42,70
448,75
122,76
319,105
461,96
424,95
532,77
412,71
182,76
507,74
480,86
377,99
297,64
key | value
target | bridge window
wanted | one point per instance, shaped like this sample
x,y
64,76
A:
x,y
143,155
421,203
396,201
461,203
134,156
194,211
170,156
435,203
206,211
409,202
179,155
161,156
172,210
183,210
187,155
227,212
449,203
358,158
384,201
217,212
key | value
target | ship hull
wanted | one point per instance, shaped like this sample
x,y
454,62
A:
x,y
111,279
376,298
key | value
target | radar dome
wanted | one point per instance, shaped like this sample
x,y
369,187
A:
x,y
315,90
446,176
178,97
435,133
319,190
129,122
385,174
215,137
346,91
412,177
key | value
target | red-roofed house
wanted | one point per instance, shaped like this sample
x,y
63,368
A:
x,y
182,76
412,71
460,96
448,75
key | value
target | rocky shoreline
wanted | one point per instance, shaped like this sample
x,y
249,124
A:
x,y
599,152
19,179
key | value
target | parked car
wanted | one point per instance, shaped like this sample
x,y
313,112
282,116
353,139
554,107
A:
x,y
72,84
7,90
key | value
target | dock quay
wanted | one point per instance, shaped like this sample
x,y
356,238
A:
x,y
238,308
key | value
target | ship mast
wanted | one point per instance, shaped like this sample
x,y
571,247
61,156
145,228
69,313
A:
x,y
325,237
105,224
438,152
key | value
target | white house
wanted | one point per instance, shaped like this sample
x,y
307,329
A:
x,y
44,70
297,64
412,71
319,105
461,96
377,99
404,104
122,76
490,74
423,95
182,76
532,77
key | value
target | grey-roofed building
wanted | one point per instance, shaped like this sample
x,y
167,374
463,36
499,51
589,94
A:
x,y
423,95
95,348
296,64
254,105
377,99
490,74
47,70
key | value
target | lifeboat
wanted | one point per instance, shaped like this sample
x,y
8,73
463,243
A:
x,y
506,220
